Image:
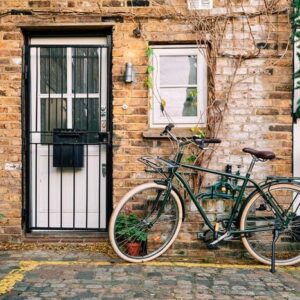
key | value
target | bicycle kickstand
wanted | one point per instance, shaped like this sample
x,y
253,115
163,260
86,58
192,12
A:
x,y
275,238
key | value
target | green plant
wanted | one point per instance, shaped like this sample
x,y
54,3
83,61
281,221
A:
x,y
295,18
150,69
149,51
149,82
128,227
190,105
149,79
191,158
197,131
297,112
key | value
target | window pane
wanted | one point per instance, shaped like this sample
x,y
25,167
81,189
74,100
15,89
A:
x,y
85,70
178,70
53,115
86,116
53,68
180,102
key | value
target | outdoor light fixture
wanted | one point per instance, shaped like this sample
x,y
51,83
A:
x,y
137,32
129,75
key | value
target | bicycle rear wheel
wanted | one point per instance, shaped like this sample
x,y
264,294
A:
x,y
146,218
262,219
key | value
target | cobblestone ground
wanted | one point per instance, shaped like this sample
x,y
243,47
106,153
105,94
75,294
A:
x,y
66,275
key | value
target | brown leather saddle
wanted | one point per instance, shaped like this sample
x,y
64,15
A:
x,y
260,154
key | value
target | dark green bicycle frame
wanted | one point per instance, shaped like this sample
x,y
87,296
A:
x,y
237,206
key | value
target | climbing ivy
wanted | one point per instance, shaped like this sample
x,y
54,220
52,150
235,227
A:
x,y
295,18
150,69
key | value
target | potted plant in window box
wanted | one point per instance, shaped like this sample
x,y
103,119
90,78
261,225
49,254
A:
x,y
130,233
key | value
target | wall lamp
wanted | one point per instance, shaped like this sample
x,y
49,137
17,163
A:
x,y
129,75
137,32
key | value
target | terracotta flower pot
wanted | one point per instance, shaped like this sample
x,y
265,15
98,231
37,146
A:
x,y
133,249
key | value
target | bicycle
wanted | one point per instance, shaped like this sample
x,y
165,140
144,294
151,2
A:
x,y
151,214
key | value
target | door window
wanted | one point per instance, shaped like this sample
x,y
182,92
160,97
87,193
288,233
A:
x,y
68,92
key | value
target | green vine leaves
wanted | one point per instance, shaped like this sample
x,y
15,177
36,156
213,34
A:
x,y
150,69
149,80
295,18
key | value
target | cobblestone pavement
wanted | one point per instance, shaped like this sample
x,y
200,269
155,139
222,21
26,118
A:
x,y
82,275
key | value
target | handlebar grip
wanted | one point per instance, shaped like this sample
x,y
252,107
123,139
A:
x,y
202,141
212,141
168,128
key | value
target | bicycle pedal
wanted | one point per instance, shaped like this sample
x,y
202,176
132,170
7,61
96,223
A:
x,y
212,247
201,236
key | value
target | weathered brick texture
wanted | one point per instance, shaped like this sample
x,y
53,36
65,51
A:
x,y
258,112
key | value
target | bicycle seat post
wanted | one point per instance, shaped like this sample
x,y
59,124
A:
x,y
254,160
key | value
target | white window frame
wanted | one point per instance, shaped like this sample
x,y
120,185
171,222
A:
x,y
155,119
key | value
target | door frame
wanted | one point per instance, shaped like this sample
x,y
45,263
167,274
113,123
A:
x,y
26,105
296,122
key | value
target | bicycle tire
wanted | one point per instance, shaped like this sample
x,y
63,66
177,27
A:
x,y
134,203
257,211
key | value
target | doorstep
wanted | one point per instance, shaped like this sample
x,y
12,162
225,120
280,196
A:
x,y
65,237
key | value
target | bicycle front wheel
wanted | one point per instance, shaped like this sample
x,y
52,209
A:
x,y
145,222
260,219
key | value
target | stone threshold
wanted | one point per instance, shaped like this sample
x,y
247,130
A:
x,y
65,237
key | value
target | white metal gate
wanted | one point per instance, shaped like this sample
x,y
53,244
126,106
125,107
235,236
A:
x,y
68,133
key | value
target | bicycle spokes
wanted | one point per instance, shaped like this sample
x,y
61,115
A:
x,y
149,217
268,227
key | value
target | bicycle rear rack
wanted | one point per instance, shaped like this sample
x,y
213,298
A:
x,y
158,164
278,178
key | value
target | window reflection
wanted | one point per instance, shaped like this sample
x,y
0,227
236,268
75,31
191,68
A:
x,y
53,70
180,101
53,115
85,65
178,70
178,75
86,116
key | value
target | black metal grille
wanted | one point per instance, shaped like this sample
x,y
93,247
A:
x,y
68,129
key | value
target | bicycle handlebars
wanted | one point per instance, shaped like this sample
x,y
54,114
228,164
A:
x,y
197,140
206,140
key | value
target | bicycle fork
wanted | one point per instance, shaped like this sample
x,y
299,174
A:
x,y
161,206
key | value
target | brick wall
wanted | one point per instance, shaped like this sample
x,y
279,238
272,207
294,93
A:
x,y
10,131
259,107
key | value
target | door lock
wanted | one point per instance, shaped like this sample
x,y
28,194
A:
x,y
103,111
104,170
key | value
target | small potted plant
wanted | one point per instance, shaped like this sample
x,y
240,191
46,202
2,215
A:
x,y
130,233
